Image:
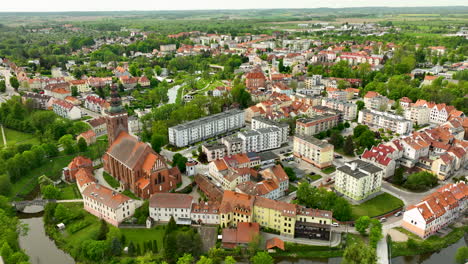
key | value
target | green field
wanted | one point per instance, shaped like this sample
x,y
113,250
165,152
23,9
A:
x,y
329,170
69,192
379,205
111,180
14,137
140,235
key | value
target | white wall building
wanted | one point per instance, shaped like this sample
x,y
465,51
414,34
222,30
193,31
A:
x,y
163,206
377,119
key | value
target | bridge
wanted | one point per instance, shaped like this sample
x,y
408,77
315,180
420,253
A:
x,y
20,205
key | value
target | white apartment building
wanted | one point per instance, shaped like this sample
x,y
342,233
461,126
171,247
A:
x,y
261,122
417,114
163,206
205,213
261,139
314,151
316,124
349,110
107,204
200,129
377,119
358,179
339,95
378,102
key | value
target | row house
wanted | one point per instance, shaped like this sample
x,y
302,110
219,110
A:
x,y
255,80
289,220
437,210
358,58
439,113
66,109
383,156
97,82
96,104
384,120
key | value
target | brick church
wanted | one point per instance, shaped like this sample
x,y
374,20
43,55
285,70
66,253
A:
x,y
134,163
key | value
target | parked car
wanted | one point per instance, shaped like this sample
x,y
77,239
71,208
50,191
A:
x,y
383,219
398,213
335,224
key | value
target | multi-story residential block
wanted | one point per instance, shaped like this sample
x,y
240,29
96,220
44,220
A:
x,y
206,127
261,122
163,206
167,48
383,156
418,114
289,220
214,151
66,109
377,119
40,101
255,80
358,179
234,145
81,85
377,102
261,139
437,210
107,204
314,125
348,110
413,149
336,94
313,81
314,151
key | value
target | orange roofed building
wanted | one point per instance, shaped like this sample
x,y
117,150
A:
x,y
242,235
134,163
436,210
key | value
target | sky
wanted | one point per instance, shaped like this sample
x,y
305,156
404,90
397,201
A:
x,y
124,5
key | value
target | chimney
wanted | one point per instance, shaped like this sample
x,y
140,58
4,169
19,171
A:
x,y
353,166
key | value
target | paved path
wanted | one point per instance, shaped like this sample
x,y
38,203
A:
x,y
335,241
98,175
382,251
4,137
185,181
70,201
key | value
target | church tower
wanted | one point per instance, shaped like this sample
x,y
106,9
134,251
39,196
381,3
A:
x,y
116,117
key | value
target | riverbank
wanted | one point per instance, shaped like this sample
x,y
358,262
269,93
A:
x,y
416,246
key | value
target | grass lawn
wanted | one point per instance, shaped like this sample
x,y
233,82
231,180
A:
x,y
329,170
69,192
314,177
111,180
52,169
16,137
130,194
376,206
140,235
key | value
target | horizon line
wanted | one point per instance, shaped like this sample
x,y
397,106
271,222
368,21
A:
x,y
227,9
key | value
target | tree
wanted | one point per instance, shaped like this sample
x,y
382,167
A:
x,y
116,247
216,254
462,255
74,91
179,161
421,181
291,173
2,86
82,145
375,233
359,253
262,258
229,260
336,139
14,82
68,144
205,260
360,105
50,192
103,230
157,142
361,224
131,249
5,185
398,177
348,147
185,259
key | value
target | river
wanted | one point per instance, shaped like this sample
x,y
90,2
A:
x,y
42,250
39,247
